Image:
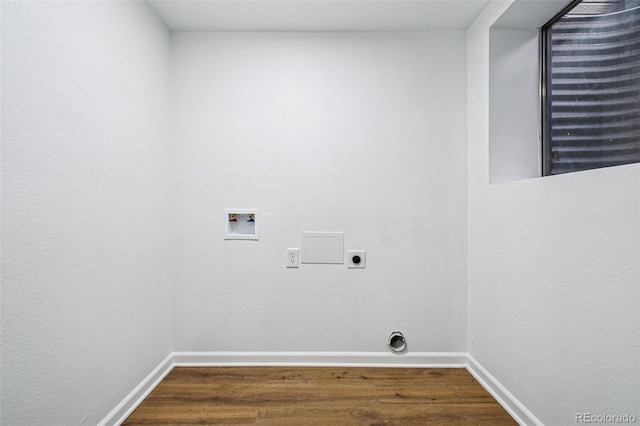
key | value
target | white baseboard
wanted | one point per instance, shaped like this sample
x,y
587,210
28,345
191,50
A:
x,y
120,413
322,359
510,403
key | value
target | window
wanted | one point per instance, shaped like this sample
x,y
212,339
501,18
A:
x,y
591,86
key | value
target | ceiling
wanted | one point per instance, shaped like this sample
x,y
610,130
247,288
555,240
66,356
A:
x,y
317,15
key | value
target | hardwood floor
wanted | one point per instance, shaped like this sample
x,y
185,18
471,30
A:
x,y
324,396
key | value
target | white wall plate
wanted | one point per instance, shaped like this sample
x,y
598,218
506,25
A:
x,y
323,247
356,259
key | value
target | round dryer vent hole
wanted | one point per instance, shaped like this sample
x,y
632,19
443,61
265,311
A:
x,y
397,342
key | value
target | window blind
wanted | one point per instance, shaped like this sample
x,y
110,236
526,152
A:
x,y
593,86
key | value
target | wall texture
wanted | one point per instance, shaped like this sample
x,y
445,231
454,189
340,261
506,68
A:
x,y
514,105
362,133
553,272
102,252
86,248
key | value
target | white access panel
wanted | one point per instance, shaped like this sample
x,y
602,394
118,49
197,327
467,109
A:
x,y
323,247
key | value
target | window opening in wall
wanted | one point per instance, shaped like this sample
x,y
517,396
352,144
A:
x,y
590,56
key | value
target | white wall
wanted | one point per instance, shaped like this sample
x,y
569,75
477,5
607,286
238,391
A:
x,y
86,248
362,133
553,271
514,105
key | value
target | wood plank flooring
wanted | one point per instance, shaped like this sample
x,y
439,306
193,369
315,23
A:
x,y
326,396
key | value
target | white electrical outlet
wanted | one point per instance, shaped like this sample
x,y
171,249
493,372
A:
x,y
293,256
356,259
